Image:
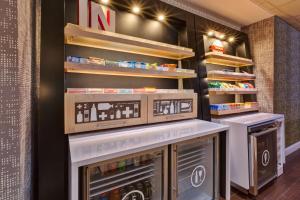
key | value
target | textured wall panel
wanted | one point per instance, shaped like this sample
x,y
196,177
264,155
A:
x,y
275,47
9,102
287,78
261,38
18,84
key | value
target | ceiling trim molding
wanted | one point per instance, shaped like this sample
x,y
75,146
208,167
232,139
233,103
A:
x,y
202,13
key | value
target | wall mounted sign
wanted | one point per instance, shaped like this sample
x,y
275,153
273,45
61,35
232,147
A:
x,y
96,16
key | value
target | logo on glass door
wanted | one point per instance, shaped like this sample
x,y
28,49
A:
x,y
265,158
134,195
198,176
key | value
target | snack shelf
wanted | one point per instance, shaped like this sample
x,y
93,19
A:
x,y
122,71
76,35
227,60
233,91
229,76
233,111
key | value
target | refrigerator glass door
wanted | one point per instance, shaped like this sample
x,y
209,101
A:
x,y
266,158
136,177
195,170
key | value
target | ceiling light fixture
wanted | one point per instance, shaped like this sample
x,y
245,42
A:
x,y
105,1
222,36
136,9
231,39
210,33
161,17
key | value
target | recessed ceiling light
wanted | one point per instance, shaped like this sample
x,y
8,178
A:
x,y
231,39
105,1
161,17
210,33
222,36
136,9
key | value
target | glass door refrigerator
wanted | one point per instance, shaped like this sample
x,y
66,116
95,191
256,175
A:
x,y
195,169
141,176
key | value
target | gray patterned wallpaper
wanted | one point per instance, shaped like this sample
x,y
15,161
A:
x,y
275,47
17,91
9,102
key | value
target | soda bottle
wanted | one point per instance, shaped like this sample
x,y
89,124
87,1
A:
x,y
112,167
136,162
148,190
103,196
129,163
122,166
115,195
140,187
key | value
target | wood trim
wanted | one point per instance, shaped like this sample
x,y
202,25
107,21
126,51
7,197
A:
x,y
234,91
122,71
71,99
155,119
229,76
227,60
229,112
88,37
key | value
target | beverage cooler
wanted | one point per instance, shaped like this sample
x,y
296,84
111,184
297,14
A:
x,y
141,176
195,169
262,154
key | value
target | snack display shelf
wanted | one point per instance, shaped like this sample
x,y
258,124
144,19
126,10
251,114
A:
x,y
229,76
231,91
122,71
227,60
76,35
233,111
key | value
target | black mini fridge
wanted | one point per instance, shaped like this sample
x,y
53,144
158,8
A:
x,y
195,169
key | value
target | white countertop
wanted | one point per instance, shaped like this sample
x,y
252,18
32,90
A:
x,y
95,147
251,119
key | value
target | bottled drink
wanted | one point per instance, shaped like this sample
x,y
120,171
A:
x,y
103,196
115,195
148,190
140,187
122,166
129,163
136,162
112,167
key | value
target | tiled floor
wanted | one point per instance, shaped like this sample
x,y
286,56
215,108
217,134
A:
x,y
286,187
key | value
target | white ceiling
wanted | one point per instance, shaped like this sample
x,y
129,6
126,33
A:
x,y
240,12
289,10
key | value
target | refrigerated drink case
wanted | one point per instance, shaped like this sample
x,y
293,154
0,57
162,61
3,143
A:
x,y
263,155
195,169
140,176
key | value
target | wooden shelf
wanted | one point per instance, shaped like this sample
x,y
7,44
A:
x,y
241,91
227,60
76,35
229,76
122,71
235,111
